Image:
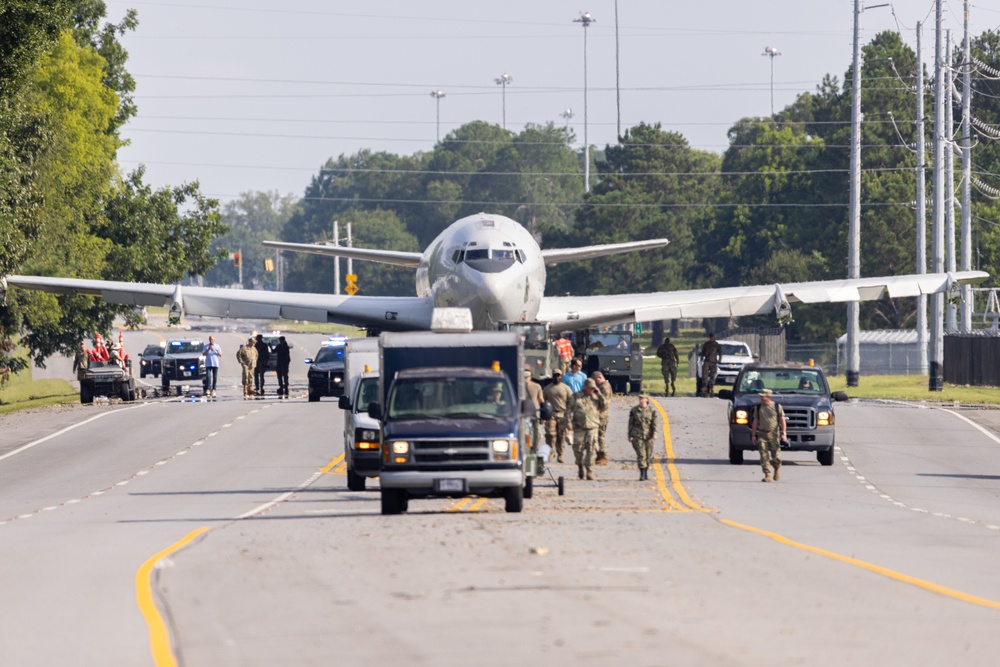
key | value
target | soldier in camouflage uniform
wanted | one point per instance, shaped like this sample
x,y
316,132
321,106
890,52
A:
x,y
558,395
767,429
247,356
586,408
667,352
711,353
604,387
642,428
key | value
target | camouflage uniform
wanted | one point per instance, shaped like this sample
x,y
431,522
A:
x,y
642,427
558,395
602,442
769,420
586,414
534,392
247,356
669,359
711,352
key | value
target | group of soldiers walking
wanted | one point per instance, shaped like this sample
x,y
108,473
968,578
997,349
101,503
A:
x,y
583,415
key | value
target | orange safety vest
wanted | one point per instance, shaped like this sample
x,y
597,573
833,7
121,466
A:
x,y
565,348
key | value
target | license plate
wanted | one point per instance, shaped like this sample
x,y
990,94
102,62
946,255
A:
x,y
451,485
187,374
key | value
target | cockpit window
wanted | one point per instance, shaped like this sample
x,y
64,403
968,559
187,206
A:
x,y
479,253
503,254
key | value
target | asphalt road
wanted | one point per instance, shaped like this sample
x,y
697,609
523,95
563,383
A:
x,y
887,558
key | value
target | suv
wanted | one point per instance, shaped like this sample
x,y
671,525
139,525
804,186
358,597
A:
x,y
182,361
151,361
326,371
616,353
805,398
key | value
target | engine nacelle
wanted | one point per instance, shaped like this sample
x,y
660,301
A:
x,y
176,307
782,308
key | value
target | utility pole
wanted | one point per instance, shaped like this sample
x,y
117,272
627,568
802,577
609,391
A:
x,y
336,260
921,206
936,353
951,311
967,305
854,225
618,90
585,20
350,244
772,53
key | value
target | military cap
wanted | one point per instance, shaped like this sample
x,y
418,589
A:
x,y
597,375
646,396
765,392
590,383
556,373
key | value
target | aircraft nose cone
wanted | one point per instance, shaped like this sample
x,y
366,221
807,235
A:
x,y
495,287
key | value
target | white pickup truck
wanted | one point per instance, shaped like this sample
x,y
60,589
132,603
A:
x,y
362,441
735,355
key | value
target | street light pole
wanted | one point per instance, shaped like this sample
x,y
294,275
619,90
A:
x,y
437,95
585,20
567,115
772,53
503,80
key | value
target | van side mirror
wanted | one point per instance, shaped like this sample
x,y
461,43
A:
x,y
344,403
375,411
308,360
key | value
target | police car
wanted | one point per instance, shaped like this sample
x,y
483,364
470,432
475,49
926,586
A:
x,y
326,370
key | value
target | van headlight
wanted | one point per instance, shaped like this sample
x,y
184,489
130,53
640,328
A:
x,y
400,447
501,446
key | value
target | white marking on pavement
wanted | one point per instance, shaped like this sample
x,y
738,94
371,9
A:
x,y
283,497
67,429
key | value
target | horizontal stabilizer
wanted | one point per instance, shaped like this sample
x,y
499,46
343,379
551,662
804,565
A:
x,y
559,255
382,256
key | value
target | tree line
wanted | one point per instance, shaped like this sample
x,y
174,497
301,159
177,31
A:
x,y
772,208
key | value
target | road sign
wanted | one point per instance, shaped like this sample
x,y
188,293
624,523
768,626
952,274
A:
x,y
351,289
351,277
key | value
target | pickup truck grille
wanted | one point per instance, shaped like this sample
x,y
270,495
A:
x,y
450,451
800,418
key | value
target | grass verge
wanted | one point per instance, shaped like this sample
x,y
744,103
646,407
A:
x,y
21,395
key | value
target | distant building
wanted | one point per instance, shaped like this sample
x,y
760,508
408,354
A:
x,y
884,352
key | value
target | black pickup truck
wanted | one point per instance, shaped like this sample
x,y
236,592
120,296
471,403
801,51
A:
x,y
803,394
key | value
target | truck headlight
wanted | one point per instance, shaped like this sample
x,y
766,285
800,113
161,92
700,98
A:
x,y
400,447
824,418
501,446
742,417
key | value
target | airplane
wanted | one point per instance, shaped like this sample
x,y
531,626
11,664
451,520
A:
x,y
491,265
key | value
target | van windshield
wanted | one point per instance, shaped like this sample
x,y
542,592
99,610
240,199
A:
x,y
447,397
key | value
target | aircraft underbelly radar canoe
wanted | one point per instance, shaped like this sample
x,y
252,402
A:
x,y
492,265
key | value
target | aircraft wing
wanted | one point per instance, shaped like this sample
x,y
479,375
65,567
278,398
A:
x,y
559,255
396,257
387,313
575,312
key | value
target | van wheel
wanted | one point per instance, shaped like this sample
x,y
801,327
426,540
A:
x,y
825,458
529,486
735,454
355,482
392,502
313,398
514,497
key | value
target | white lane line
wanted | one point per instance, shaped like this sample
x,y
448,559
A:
x,y
67,429
283,497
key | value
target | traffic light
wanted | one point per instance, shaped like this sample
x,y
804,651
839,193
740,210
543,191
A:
x,y
236,259
268,264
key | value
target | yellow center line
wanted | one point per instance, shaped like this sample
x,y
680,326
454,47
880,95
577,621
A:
x,y
675,478
341,469
920,583
326,470
476,506
664,491
457,507
159,637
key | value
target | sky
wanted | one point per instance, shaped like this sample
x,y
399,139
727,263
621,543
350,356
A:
x,y
255,96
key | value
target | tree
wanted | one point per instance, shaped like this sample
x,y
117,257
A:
x,y
650,185
251,219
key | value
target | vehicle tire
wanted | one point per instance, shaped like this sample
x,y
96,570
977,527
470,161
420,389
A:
x,y
123,393
529,486
86,394
735,454
165,386
142,374
313,398
562,485
391,501
514,498
355,482
636,386
825,457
